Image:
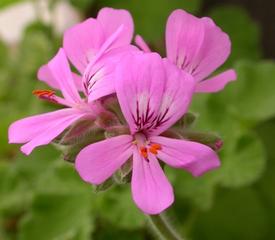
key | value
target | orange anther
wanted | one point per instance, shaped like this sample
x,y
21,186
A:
x,y
153,150
43,93
156,146
143,152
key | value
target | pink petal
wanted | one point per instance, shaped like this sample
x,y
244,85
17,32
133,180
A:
x,y
82,41
196,45
60,70
214,51
101,75
77,81
111,19
41,129
139,41
151,190
179,88
44,74
139,85
191,156
216,83
184,38
97,162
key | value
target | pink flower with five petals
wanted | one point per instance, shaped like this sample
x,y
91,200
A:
x,y
94,47
153,94
197,46
42,129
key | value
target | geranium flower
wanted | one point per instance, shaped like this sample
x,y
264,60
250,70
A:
x,y
42,129
153,94
197,46
93,47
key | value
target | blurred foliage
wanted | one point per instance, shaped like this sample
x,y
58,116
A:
x,y
5,3
245,44
150,16
42,197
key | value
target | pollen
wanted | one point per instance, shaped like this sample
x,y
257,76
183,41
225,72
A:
x,y
47,95
154,148
43,93
143,152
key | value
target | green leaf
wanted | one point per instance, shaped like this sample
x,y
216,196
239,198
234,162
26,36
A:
x,y
104,186
252,95
266,184
19,178
245,44
150,16
58,216
243,161
266,131
198,192
237,215
8,116
117,203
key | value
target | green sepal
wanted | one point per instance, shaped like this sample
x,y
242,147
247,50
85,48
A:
x,y
124,174
104,186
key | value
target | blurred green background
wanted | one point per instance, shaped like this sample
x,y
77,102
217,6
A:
x,y
42,197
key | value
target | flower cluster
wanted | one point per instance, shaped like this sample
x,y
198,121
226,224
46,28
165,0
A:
x,y
153,93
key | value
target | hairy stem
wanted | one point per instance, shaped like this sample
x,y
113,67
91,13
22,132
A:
x,y
163,228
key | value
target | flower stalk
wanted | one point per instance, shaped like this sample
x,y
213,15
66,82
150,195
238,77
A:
x,y
163,228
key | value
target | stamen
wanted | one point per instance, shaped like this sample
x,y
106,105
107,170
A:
x,y
143,152
45,94
154,148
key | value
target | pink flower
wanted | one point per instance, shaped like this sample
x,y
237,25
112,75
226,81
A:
x,y
153,95
197,46
42,129
93,47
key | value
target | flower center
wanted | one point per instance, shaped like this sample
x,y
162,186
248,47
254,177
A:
x,y
145,146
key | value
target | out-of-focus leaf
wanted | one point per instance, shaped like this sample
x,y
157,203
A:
x,y
266,131
243,162
20,177
243,32
113,232
5,3
36,49
82,5
199,192
150,16
58,216
237,215
116,204
3,53
4,59
62,178
214,115
252,95
266,184
7,116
